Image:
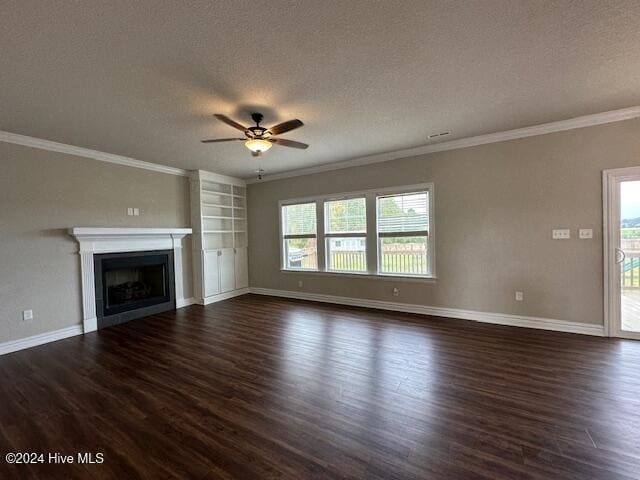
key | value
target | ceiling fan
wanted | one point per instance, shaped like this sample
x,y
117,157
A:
x,y
260,139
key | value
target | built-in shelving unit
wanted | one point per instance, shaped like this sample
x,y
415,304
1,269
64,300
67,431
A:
x,y
220,242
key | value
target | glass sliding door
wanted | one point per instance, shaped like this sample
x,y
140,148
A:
x,y
622,252
628,255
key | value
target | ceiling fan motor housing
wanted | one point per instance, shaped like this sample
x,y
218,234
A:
x,y
257,117
257,131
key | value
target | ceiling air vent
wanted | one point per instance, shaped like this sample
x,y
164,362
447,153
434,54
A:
x,y
438,135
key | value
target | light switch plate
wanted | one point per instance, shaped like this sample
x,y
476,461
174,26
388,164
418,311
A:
x,y
561,234
136,211
585,233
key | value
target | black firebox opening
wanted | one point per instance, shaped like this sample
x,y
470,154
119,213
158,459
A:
x,y
132,285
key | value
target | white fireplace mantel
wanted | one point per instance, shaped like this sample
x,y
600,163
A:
x,y
113,240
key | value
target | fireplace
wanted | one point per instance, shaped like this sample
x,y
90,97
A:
x,y
132,285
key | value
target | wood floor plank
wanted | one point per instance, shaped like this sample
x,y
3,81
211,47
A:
x,y
267,388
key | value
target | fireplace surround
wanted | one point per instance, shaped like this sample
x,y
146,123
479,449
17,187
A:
x,y
132,285
99,241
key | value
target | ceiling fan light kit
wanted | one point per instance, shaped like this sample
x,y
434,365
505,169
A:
x,y
258,145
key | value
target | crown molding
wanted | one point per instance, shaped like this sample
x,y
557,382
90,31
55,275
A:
x,y
216,177
534,130
51,146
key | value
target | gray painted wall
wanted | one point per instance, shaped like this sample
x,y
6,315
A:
x,y
42,194
495,207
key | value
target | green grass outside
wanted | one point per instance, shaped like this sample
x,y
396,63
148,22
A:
x,y
630,232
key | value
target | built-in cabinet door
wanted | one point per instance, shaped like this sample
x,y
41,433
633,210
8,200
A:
x,y
227,270
211,274
242,268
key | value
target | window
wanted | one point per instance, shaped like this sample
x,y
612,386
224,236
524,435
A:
x,y
345,233
299,237
403,233
386,232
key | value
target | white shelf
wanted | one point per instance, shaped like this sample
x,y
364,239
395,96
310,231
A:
x,y
218,205
219,217
212,192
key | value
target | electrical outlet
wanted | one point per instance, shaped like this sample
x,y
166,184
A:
x,y
27,315
561,234
136,212
130,212
519,296
585,233
299,283
396,292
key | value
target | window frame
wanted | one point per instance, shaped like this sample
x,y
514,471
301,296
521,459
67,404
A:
x,y
284,237
372,246
413,233
344,235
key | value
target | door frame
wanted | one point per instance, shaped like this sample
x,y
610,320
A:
x,y
611,178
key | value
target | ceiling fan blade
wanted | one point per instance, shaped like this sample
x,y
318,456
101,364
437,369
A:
x,y
214,140
286,127
228,121
289,143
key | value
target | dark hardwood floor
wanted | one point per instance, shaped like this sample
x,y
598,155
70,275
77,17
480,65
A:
x,y
259,388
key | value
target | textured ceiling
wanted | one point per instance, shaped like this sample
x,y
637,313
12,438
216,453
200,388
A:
x,y
143,78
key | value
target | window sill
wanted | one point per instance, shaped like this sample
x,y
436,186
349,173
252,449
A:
x,y
369,276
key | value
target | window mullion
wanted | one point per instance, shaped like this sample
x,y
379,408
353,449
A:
x,y
372,228
418,233
293,237
346,235
320,242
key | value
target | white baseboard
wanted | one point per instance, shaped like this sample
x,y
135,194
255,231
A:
x,y
185,302
40,339
486,317
222,296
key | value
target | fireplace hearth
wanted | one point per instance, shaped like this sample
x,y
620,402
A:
x,y
132,285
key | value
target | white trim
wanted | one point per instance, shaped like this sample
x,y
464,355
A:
x,y
111,240
534,130
368,276
609,314
222,296
611,180
216,177
485,317
48,337
185,302
51,146
371,234
102,233
40,339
